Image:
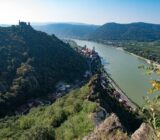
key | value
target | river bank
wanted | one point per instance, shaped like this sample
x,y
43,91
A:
x,y
122,96
138,56
145,59
123,69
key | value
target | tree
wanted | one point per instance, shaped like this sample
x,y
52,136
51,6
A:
x,y
151,108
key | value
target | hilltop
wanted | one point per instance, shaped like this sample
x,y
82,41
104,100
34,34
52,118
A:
x,y
31,63
134,31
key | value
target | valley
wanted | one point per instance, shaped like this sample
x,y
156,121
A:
x,y
79,70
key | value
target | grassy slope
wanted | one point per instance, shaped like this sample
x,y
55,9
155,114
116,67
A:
x,y
70,117
67,118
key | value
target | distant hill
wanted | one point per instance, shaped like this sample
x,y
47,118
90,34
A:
x,y
68,30
4,25
110,31
134,31
31,63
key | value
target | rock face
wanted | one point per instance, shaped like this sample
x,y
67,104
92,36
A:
x,y
99,116
145,132
110,129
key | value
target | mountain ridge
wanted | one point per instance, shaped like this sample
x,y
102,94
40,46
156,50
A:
x,y
68,30
138,31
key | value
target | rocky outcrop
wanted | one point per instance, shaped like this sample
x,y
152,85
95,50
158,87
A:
x,y
99,116
112,127
109,129
102,96
145,132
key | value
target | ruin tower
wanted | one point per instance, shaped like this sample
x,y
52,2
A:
x,y
93,49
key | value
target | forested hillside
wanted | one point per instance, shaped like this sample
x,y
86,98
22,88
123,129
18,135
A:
x,y
134,31
31,63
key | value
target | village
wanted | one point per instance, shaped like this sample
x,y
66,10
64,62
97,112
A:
x,y
106,79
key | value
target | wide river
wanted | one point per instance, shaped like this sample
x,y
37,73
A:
x,y
123,68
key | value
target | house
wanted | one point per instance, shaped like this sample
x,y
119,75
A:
x,y
22,110
87,74
61,86
116,94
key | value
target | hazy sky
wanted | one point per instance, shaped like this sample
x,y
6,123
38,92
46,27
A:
x,y
85,11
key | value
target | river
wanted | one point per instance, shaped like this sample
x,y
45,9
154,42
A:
x,y
123,68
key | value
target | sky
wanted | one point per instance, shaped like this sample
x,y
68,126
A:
x,y
80,11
